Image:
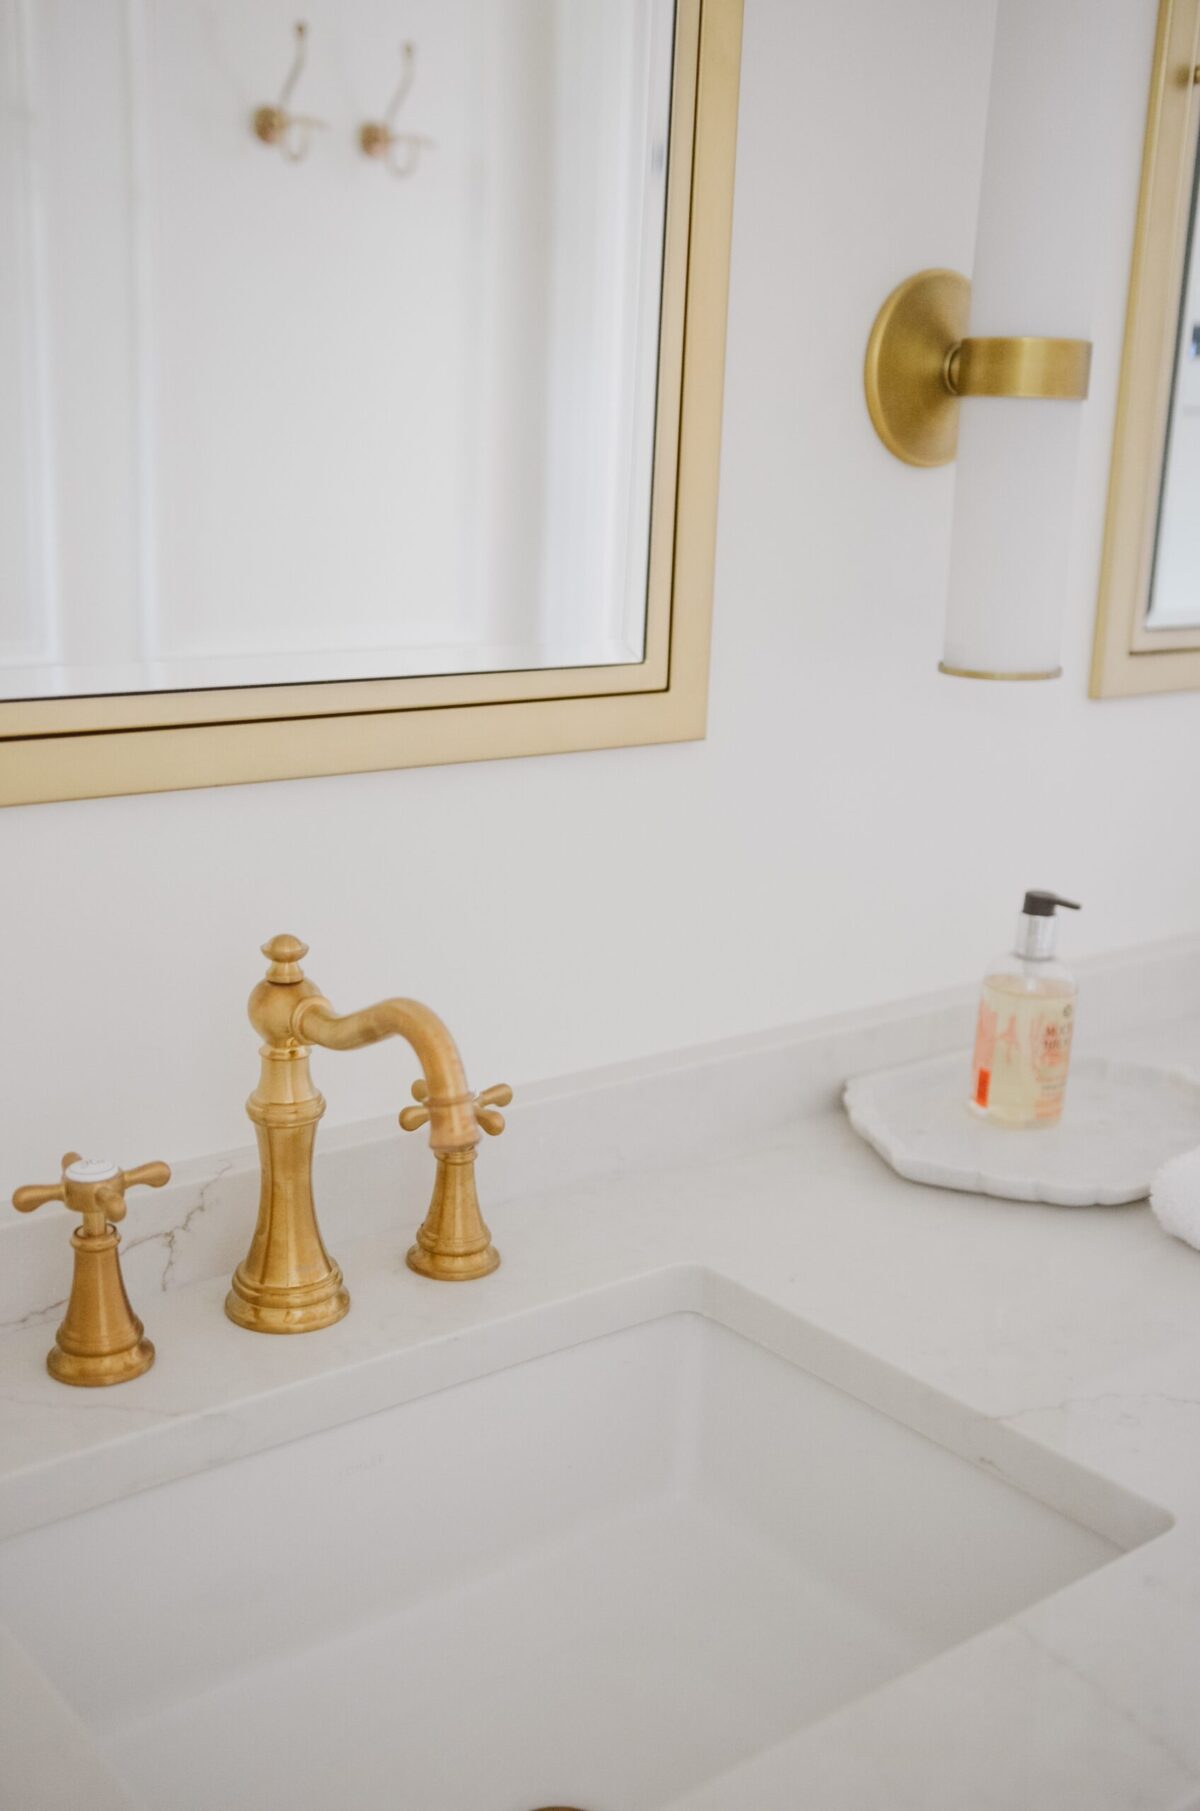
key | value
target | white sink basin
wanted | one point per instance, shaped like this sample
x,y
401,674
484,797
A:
x,y
595,1579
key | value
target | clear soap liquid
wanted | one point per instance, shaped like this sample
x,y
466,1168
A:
x,y
1023,1049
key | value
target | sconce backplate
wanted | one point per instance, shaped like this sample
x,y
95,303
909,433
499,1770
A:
x,y
914,411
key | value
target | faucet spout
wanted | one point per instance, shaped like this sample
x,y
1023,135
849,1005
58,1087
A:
x,y
451,1104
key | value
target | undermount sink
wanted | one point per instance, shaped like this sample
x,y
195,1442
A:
x,y
595,1579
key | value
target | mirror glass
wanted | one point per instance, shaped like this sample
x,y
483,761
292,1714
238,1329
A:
x,y
327,353
1174,601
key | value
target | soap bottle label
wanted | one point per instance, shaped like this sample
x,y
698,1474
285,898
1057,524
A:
x,y
1022,1051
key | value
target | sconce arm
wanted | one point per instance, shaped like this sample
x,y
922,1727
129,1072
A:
x,y
1058,370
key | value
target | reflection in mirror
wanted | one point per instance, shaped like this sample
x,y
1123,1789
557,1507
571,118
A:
x,y
1148,609
282,419
1175,581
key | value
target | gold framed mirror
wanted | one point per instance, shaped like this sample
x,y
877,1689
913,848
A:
x,y
1148,613
104,740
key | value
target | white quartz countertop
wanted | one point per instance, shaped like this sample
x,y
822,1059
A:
x,y
964,1315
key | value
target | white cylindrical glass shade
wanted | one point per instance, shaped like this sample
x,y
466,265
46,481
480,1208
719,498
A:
x,y
1013,505
1034,274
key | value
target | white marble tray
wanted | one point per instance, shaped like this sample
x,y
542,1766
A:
x,y
1121,1122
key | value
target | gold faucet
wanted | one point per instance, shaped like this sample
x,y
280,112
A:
x,y
287,1282
101,1339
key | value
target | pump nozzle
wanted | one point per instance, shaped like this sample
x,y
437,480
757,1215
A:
x,y
1044,905
1037,926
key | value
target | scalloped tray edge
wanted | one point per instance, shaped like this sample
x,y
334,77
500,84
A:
x,y
863,1108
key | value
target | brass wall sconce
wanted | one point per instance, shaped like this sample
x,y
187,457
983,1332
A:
x,y
101,1339
290,132
946,380
399,152
919,365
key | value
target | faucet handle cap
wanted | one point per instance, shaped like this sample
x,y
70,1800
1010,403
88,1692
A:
x,y
284,954
110,1195
93,1187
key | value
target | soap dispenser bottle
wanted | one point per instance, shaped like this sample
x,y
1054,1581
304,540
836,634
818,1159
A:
x,y
1026,1023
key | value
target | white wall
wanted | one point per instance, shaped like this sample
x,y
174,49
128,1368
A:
x,y
855,827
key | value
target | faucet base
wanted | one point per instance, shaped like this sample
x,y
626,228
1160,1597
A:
x,y
454,1245
261,1309
452,1267
101,1339
92,1370
287,1282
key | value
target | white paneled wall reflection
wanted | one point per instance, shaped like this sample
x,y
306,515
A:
x,y
1175,590
267,421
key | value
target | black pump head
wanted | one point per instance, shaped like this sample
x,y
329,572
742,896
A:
x,y
1044,905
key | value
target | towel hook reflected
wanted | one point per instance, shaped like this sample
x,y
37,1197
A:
x,y
400,152
292,132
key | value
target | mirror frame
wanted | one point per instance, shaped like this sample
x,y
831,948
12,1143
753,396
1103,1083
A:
x,y
89,747
1129,658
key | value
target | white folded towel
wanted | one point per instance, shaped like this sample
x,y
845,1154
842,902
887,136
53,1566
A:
x,y
1175,1197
